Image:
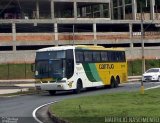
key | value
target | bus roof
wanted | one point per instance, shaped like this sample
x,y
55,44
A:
x,y
94,47
84,47
56,48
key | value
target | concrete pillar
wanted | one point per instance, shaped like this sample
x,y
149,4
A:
x,y
112,10
14,36
52,9
37,9
101,11
95,33
75,9
134,9
131,34
56,33
124,8
119,9
152,13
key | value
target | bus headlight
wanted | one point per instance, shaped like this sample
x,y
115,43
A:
x,y
63,80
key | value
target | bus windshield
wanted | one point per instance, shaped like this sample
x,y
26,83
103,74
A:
x,y
50,64
50,68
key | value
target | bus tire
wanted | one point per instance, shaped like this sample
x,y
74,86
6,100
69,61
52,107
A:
x,y
112,82
52,92
117,82
79,87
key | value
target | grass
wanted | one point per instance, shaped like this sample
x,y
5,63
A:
x,y
94,109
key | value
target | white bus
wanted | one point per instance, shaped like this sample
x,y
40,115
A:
x,y
77,67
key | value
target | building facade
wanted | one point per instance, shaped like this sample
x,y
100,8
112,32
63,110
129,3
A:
x,y
27,25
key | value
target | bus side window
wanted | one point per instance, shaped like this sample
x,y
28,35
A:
x,y
112,56
104,56
69,68
117,56
69,64
123,56
79,57
87,56
96,56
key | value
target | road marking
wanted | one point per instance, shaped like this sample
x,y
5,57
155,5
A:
x,y
158,86
34,112
154,87
133,83
130,83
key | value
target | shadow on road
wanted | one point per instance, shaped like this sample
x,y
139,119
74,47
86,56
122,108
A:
x,y
87,90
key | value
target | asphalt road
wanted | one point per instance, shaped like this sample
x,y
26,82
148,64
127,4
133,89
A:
x,y
19,109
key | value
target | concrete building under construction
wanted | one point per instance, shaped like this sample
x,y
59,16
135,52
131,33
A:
x,y
27,25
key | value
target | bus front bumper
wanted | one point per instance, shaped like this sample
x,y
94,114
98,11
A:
x,y
53,86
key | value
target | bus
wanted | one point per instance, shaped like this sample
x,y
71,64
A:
x,y
78,67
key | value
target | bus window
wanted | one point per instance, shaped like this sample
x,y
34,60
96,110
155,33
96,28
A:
x,y
112,56
69,68
69,64
104,56
50,55
119,56
96,56
60,54
123,56
79,57
87,56
69,54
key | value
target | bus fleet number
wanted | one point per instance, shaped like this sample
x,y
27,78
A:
x,y
106,66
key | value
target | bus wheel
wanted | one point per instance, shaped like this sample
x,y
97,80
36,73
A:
x,y
51,92
112,85
79,87
117,82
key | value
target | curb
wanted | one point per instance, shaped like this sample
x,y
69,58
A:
x,y
56,119
134,78
18,81
35,110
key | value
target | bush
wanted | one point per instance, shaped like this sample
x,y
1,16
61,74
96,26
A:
x,y
135,67
16,71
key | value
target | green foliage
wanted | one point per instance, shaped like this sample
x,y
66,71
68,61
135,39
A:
x,y
15,71
135,67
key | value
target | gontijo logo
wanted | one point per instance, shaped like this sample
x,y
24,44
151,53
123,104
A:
x,y
106,66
